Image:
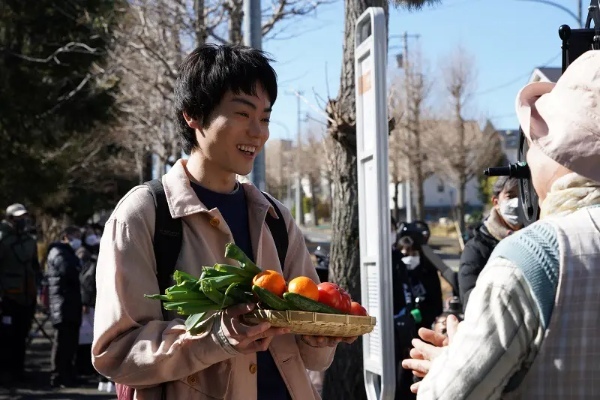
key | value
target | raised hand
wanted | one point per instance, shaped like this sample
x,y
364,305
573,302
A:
x,y
428,349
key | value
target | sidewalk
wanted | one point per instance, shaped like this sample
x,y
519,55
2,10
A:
x,y
38,377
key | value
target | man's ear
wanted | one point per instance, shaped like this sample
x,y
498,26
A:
x,y
494,201
192,122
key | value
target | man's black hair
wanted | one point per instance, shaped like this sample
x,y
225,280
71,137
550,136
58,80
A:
x,y
208,73
504,183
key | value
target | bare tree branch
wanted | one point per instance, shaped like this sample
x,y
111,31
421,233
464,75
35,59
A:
x,y
71,47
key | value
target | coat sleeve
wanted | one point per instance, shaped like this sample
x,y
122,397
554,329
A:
x,y
132,344
471,264
501,331
299,263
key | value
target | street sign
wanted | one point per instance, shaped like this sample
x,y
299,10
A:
x,y
370,61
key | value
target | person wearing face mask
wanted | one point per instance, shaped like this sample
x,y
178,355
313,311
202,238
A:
x,y
19,269
502,222
417,301
65,305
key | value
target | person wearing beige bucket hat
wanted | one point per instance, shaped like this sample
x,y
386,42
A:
x,y
530,328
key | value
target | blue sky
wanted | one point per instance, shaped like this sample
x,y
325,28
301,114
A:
x,y
506,38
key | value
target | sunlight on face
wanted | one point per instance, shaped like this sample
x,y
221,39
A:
x,y
236,132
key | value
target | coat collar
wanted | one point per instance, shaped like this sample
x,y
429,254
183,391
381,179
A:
x,y
182,198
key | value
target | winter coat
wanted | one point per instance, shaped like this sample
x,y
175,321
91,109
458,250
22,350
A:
x,y
63,283
472,260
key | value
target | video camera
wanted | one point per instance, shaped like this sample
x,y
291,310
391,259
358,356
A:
x,y
575,42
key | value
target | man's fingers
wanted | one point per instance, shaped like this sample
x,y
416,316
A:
x,y
349,340
239,309
416,365
254,330
431,337
418,374
416,354
266,334
428,351
451,326
414,387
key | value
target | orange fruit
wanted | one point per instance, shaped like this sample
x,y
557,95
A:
x,y
304,286
270,280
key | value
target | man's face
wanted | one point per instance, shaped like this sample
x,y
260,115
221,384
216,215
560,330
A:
x,y
19,223
235,132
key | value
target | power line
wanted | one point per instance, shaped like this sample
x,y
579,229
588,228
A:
x,y
516,79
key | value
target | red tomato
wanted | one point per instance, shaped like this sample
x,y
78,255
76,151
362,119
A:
x,y
357,309
346,303
330,295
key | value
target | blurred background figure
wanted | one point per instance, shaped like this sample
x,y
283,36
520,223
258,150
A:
x,y
19,271
65,305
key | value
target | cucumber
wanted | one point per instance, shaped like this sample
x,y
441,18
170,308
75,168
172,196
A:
x,y
305,304
271,300
239,293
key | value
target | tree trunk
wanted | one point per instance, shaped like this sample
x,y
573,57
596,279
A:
x,y
313,201
461,203
200,23
147,167
418,164
396,200
344,379
236,16
418,180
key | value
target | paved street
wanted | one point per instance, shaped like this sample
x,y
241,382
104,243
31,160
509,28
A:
x,y
38,374
446,247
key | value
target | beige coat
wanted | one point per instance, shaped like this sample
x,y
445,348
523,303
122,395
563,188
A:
x,y
134,346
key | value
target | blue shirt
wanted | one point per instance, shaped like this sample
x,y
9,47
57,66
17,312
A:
x,y
234,209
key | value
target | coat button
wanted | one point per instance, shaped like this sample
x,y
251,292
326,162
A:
x,y
214,222
252,368
192,380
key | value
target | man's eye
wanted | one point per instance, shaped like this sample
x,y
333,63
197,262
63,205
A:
x,y
243,114
266,120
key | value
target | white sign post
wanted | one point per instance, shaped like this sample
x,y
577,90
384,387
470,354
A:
x,y
370,61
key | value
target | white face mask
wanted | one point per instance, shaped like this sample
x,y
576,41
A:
x,y
75,243
509,211
411,262
92,240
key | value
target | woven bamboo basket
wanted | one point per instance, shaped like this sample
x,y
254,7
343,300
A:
x,y
312,323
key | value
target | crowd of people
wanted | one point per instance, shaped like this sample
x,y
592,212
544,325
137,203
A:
x,y
63,288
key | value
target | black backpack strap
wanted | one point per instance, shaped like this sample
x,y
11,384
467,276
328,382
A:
x,y
278,231
168,236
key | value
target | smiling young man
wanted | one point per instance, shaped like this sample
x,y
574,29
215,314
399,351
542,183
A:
x,y
223,100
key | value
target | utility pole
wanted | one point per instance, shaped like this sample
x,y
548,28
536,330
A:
x,y
253,38
299,208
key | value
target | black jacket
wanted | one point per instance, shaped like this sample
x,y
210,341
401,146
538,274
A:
x,y
87,276
63,283
472,260
426,275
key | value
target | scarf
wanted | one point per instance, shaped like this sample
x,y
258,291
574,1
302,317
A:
x,y
569,193
495,225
